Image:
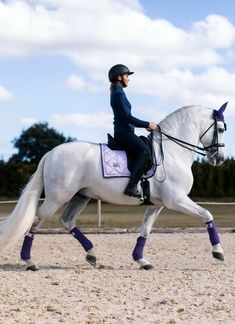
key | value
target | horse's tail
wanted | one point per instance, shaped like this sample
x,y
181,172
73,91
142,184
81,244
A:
x,y
21,219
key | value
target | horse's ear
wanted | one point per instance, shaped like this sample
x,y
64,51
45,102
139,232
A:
x,y
218,114
222,108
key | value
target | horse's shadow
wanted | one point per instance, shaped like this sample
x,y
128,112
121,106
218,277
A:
x,y
17,267
11,267
20,267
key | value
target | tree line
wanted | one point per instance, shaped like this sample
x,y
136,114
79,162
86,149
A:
x,y
34,142
31,145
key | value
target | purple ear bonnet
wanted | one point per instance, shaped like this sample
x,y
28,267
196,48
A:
x,y
218,114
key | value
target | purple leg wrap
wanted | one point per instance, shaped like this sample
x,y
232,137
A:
x,y
87,245
26,247
138,250
213,235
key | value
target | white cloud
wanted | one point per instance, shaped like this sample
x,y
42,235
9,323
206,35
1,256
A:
x,y
94,40
176,65
75,82
28,121
5,95
212,87
99,121
216,31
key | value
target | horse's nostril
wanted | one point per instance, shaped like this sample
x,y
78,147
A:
x,y
220,160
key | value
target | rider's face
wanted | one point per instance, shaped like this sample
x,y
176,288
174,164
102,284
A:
x,y
125,79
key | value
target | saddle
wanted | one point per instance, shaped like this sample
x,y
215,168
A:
x,y
114,145
117,163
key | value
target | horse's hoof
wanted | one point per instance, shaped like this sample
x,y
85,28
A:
x,y
91,259
144,264
218,255
147,267
32,267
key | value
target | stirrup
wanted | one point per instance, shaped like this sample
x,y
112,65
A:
x,y
142,197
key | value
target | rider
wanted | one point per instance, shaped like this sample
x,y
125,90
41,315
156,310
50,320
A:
x,y
124,124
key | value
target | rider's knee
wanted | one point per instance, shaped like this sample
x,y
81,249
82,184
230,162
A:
x,y
146,154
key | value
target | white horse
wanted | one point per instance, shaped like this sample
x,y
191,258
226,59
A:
x,y
72,173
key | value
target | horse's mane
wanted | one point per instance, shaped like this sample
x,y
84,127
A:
x,y
181,110
182,114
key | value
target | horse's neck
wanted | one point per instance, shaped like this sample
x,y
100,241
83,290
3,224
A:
x,y
185,123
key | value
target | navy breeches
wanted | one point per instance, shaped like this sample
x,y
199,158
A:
x,y
133,144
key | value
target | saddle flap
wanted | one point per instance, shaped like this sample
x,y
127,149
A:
x,y
115,164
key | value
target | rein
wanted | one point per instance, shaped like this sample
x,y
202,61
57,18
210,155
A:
x,y
155,164
191,147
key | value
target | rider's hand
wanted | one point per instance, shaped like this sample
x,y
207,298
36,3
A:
x,y
152,126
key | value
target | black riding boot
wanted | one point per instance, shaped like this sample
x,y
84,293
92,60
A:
x,y
138,169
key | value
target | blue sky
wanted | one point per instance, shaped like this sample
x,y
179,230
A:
x,y
55,56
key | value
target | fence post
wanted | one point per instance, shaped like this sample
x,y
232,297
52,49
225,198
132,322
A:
x,y
99,212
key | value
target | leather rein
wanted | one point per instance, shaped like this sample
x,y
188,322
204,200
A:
x,y
195,148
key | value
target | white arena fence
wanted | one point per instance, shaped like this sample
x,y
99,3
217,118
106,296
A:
x,y
99,209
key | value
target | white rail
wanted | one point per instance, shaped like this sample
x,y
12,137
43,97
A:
x,y
99,212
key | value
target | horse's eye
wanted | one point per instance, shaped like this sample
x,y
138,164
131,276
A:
x,y
220,130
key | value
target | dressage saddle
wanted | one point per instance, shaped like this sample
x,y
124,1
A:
x,y
114,145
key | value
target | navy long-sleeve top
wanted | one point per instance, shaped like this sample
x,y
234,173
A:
x,y
123,119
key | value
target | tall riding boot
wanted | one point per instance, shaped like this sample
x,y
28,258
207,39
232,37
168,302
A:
x,y
138,169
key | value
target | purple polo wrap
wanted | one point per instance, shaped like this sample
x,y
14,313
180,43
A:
x,y
213,235
26,247
87,245
139,248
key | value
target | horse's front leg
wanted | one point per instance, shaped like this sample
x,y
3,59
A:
x,y
150,216
185,205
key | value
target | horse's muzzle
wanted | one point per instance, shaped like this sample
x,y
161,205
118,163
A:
x,y
216,160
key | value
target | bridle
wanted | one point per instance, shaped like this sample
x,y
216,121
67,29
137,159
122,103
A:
x,y
214,147
210,150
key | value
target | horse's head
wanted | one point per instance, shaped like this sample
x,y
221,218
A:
x,y
213,137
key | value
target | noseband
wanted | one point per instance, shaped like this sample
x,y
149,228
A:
x,y
214,147
211,149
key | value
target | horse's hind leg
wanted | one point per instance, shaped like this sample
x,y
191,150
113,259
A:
x,y
47,210
25,253
74,208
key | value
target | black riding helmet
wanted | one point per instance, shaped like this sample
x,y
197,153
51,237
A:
x,y
117,70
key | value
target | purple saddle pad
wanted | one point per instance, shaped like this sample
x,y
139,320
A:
x,y
114,163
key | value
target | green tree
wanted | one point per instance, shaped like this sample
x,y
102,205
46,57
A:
x,y
229,177
35,141
212,181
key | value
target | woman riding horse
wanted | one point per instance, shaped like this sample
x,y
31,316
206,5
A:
x,y
124,124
